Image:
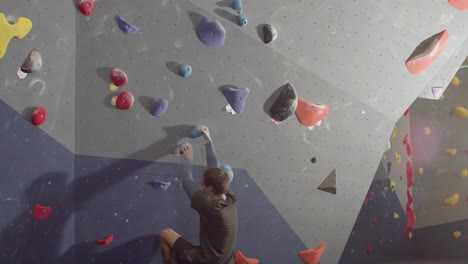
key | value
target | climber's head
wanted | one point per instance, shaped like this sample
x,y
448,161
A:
x,y
215,181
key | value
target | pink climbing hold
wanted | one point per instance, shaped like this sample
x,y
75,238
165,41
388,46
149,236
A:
x,y
409,149
409,174
41,212
459,4
86,6
410,219
406,112
410,196
310,114
118,77
421,61
39,116
405,139
124,101
106,241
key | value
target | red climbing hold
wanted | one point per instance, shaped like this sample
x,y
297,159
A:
x,y
118,77
374,221
41,212
405,139
406,112
39,116
409,149
410,219
366,201
312,256
310,114
376,186
86,6
409,174
419,62
372,195
410,196
106,241
368,249
124,101
459,4
241,259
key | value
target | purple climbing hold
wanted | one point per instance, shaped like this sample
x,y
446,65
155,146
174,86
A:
x,y
159,185
195,133
159,107
211,33
236,97
125,26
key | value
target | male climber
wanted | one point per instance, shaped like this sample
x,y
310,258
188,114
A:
x,y
217,208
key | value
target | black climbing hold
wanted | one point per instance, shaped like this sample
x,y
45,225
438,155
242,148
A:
x,y
329,184
33,62
269,34
285,104
313,160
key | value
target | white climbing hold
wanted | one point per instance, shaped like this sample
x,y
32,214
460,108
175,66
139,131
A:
x,y
228,108
21,74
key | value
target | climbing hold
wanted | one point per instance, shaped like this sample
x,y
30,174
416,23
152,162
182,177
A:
x,y
185,70
457,234
459,4
409,174
463,173
269,34
124,101
125,26
242,20
406,112
309,114
159,107
118,77
451,152
229,171
113,87
384,157
312,256
285,104
410,218
159,185
41,212
352,251
393,185
398,157
394,133
33,62
452,200
421,171
461,112
195,133
366,201
410,235
7,31
180,148
237,5
396,215
106,241
21,74
368,249
389,167
39,116
374,221
236,97
86,6
114,100
405,139
372,195
313,160
427,131
211,33
241,259
228,108
421,61
376,186
437,92
329,184
410,196
455,81
409,149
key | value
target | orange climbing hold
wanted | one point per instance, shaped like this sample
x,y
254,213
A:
x,y
459,4
241,259
310,114
419,62
312,256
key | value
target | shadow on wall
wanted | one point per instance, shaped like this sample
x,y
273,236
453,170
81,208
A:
x,y
27,240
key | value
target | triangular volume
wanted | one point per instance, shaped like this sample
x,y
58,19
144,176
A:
x,y
312,256
329,184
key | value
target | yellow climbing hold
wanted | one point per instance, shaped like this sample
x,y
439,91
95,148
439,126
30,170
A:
x,y
427,131
395,215
398,158
114,100
451,152
457,234
410,235
395,130
385,157
113,87
461,112
421,171
452,200
7,31
393,185
463,173
455,81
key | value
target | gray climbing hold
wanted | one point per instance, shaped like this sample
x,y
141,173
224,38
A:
x,y
285,104
125,26
237,5
228,170
329,184
242,21
159,107
33,62
269,34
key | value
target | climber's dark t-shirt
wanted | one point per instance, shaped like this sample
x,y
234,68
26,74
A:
x,y
218,228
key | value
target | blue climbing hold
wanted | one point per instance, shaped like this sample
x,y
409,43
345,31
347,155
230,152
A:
x,y
237,5
185,70
125,26
242,21
236,97
195,133
228,170
159,107
182,146
159,185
